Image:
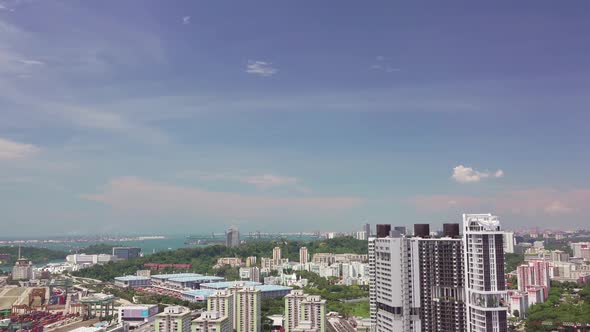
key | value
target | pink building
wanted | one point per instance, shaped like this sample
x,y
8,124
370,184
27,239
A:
x,y
533,274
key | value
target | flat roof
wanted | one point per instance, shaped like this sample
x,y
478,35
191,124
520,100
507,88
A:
x,y
131,278
197,292
136,306
271,288
175,275
228,284
194,278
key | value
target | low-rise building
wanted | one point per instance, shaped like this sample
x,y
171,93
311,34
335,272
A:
x,y
136,315
228,284
158,279
196,295
84,259
126,253
231,261
191,282
132,281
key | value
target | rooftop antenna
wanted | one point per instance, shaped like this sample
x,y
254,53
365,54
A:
x,y
19,257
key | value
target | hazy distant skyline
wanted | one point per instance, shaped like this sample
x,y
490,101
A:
x,y
142,117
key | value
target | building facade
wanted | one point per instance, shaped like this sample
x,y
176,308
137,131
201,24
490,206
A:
x,y
313,310
293,309
248,310
420,282
22,270
232,237
397,285
509,242
222,302
442,291
126,253
372,282
534,273
173,319
486,295
135,315
303,255
211,321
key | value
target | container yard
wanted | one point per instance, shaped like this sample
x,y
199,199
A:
x,y
36,321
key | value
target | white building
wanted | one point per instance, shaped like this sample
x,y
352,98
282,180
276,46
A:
x,y
509,242
132,281
519,301
135,315
397,290
22,270
83,259
581,250
486,295
372,281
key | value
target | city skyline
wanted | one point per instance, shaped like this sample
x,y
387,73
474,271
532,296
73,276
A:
x,y
147,118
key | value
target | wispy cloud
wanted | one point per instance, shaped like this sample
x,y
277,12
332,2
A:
x,y
11,150
382,64
270,180
31,62
261,68
260,181
143,196
530,202
186,20
463,174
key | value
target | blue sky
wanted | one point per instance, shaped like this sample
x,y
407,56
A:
x,y
143,117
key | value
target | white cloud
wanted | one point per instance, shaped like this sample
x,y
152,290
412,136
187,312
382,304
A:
x,y
464,174
10,150
186,20
261,68
383,65
31,62
557,207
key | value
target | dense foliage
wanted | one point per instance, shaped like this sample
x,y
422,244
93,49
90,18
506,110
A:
x,y
204,258
512,261
36,255
565,303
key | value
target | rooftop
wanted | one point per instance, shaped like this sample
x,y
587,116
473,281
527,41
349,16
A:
x,y
271,288
199,292
131,278
194,278
228,284
175,275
